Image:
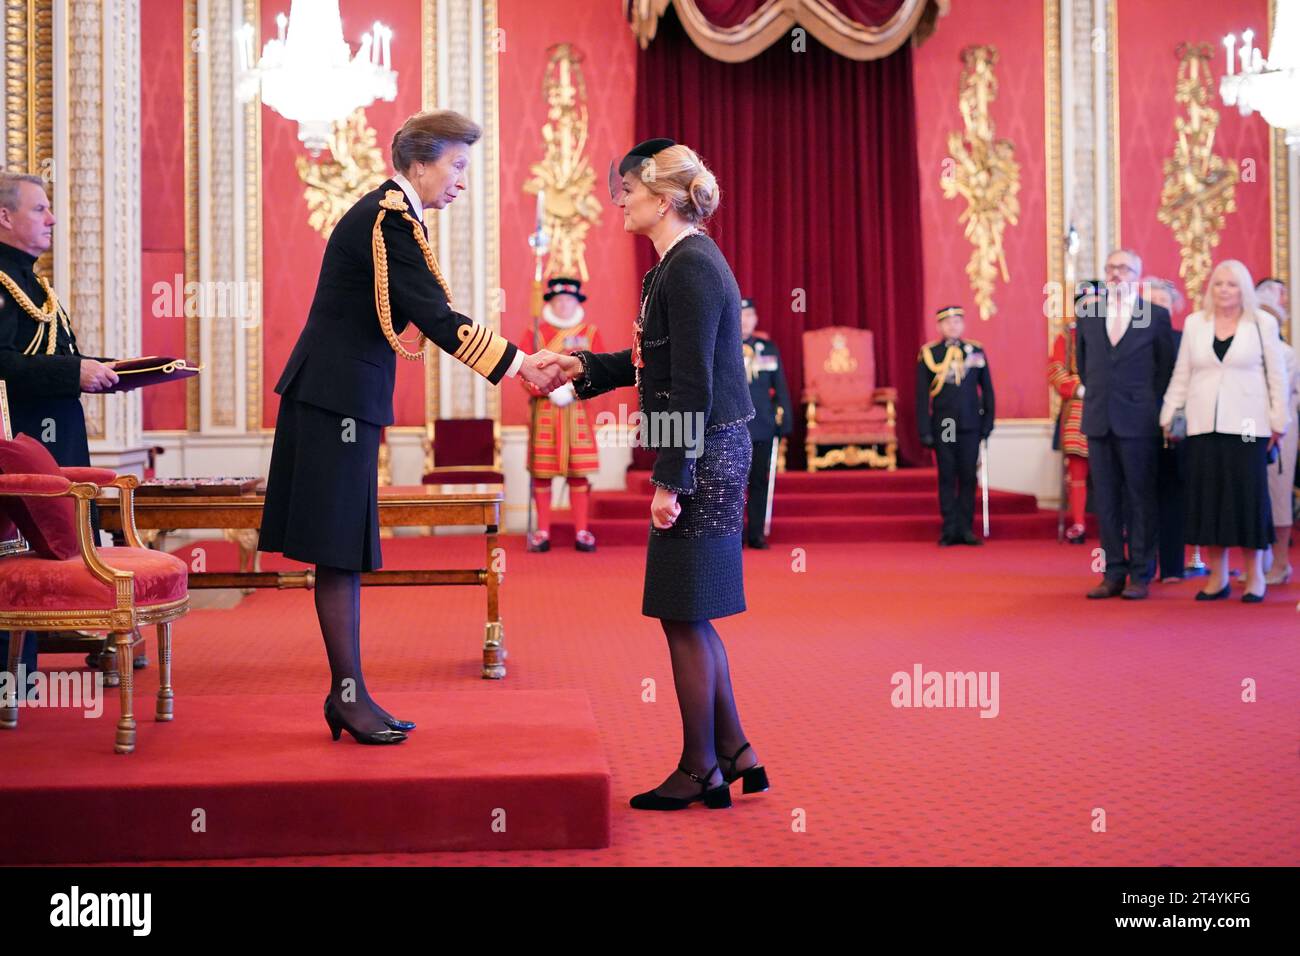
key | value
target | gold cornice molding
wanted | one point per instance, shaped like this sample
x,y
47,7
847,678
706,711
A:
x,y
774,20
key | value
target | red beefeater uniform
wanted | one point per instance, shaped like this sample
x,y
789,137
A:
x,y
561,442
1063,375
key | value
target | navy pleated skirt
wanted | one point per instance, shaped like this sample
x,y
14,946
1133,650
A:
x,y
693,570
322,489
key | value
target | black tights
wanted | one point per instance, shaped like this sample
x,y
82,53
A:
x,y
710,724
338,607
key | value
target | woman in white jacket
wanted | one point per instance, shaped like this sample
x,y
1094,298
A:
x,y
1231,381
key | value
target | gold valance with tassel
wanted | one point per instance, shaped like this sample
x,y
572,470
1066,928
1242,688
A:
x,y
771,20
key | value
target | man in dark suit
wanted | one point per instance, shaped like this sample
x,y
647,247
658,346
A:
x,y
43,370
1126,356
954,413
773,418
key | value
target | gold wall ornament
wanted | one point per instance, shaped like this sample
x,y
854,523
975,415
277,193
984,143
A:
x,y
1200,187
564,172
985,173
354,166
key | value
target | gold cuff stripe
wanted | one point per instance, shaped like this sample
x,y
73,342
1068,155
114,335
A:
x,y
480,348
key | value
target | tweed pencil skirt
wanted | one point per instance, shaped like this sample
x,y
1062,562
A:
x,y
693,570
1227,492
322,489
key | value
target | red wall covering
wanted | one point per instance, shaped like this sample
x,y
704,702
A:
x,y
1016,337
1149,35
603,37
162,196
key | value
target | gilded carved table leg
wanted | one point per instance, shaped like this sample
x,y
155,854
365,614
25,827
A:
x,y
165,695
494,648
126,678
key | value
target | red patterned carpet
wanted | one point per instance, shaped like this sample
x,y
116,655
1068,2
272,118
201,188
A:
x,y
1131,708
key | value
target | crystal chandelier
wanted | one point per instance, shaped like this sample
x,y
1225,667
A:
x,y
1269,86
307,74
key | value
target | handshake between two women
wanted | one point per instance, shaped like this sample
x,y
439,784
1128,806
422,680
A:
x,y
547,371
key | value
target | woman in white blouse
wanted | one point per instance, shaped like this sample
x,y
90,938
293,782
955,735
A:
x,y
1231,381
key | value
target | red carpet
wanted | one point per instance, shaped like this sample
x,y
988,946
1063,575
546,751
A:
x,y
828,506
1134,709
268,780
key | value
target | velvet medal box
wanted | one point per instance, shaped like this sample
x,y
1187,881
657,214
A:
x,y
150,370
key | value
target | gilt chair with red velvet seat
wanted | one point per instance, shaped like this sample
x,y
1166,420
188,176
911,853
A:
x,y
53,577
846,410
463,451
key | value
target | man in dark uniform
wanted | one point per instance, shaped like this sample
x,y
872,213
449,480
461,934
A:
x,y
43,370
954,413
773,418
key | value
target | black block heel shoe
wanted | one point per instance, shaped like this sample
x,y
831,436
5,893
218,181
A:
x,y
717,798
338,724
755,778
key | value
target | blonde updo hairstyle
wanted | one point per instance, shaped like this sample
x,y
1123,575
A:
x,y
679,174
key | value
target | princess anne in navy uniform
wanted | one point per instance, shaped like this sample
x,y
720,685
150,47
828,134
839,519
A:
x,y
378,275
688,366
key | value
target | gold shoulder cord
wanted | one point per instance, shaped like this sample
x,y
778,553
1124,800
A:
x,y
47,316
941,370
395,201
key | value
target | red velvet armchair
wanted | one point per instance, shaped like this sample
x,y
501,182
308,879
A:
x,y
846,410
98,589
463,451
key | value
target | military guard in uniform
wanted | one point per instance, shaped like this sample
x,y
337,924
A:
x,y
42,367
954,413
1063,376
561,443
773,418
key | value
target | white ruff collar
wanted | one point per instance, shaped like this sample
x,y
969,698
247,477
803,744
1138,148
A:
x,y
555,321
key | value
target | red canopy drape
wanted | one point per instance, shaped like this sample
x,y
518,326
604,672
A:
x,y
815,155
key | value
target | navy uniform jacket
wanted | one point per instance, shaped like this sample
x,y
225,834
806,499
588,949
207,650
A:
x,y
43,389
767,390
691,349
1124,384
969,404
342,361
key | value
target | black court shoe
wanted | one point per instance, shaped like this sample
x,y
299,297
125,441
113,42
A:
x,y
755,778
717,798
1215,596
404,726
338,724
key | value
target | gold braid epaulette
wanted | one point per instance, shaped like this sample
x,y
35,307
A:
x,y
46,317
394,200
940,370
480,348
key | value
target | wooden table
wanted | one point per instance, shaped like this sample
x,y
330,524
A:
x,y
399,506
